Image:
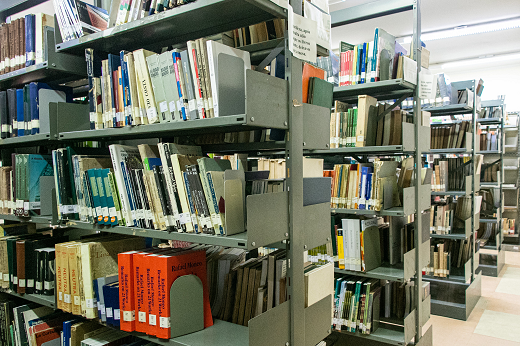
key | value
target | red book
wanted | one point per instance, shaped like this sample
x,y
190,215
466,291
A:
x,y
126,290
140,288
47,335
150,262
308,72
169,268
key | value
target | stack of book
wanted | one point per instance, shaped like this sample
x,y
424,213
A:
x,y
450,136
20,109
257,33
488,139
449,174
20,191
447,254
27,260
135,88
77,18
377,60
349,127
23,42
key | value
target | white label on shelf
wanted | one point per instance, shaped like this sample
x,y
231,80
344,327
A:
x,y
192,105
215,218
330,79
117,314
426,87
6,277
21,125
185,218
60,296
152,320
48,285
5,128
77,300
151,114
88,302
129,316
142,316
30,283
39,285
21,283
102,309
163,106
66,298
34,205
109,312
302,36
19,203
164,322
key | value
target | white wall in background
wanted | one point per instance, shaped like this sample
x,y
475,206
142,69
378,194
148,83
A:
x,y
500,78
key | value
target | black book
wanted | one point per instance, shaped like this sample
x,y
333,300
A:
x,y
31,263
11,108
199,199
38,282
157,173
4,116
164,189
49,256
137,199
26,111
146,202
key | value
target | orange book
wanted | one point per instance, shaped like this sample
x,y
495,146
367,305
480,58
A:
x,y
308,72
74,279
126,290
169,268
47,335
151,292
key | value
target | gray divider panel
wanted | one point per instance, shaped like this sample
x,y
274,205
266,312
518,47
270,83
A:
x,y
317,225
317,321
316,191
64,117
266,100
186,306
267,218
46,193
316,127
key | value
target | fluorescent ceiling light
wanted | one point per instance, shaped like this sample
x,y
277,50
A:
x,y
472,62
467,30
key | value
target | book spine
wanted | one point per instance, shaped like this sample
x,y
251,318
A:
x,y
207,77
115,198
30,52
126,293
213,80
183,101
173,219
152,62
146,86
161,195
126,211
191,203
192,57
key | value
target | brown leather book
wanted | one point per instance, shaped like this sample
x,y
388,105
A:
x,y
21,52
2,46
20,264
12,36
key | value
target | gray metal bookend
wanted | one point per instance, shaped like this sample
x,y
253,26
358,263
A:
x,y
186,306
234,196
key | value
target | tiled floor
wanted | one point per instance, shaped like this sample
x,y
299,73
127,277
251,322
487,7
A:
x,y
496,317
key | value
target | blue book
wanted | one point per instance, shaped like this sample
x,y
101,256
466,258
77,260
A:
x,y
26,110
126,89
66,330
114,296
183,100
369,190
374,57
30,43
109,307
365,170
34,89
19,112
113,64
358,65
363,63
96,296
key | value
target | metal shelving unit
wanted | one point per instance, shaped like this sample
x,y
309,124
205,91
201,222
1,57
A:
x,y
411,328
456,296
492,256
290,323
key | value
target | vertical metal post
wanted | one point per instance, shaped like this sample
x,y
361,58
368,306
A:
x,y
502,176
294,157
473,192
418,160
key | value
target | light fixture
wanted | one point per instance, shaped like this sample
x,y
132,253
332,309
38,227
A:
x,y
465,30
482,60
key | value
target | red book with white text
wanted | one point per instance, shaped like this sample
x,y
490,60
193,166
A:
x,y
126,290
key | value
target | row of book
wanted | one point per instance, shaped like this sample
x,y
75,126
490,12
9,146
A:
x,y
33,325
362,304
143,87
508,225
489,140
20,109
450,136
361,185
370,61
449,218
23,42
77,18
363,126
447,254
450,173
265,31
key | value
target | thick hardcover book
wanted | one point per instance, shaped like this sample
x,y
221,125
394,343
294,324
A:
x,y
126,292
154,68
169,85
34,105
49,278
20,112
30,43
20,263
182,104
12,111
146,85
26,110
4,115
196,78
194,112
93,73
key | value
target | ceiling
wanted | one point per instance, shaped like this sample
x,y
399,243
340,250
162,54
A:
x,y
438,15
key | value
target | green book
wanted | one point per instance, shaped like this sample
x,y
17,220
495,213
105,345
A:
x,y
320,92
115,197
344,46
353,129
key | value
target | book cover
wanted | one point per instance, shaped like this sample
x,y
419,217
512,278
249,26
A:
x,y
126,292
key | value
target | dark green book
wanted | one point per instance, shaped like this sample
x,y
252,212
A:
x,y
320,92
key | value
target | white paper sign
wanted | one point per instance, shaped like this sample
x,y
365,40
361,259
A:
x,y
323,25
425,84
302,37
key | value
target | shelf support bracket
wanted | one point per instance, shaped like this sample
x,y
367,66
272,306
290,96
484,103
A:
x,y
274,53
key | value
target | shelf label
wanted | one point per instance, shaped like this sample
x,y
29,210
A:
x,y
302,37
426,86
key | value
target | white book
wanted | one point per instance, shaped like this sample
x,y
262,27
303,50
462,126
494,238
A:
x,y
172,220
155,76
132,81
346,242
42,20
146,84
197,87
216,53
118,154
171,91
357,239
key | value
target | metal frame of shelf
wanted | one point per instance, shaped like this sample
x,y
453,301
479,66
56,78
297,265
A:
x,y
498,258
441,305
289,323
385,90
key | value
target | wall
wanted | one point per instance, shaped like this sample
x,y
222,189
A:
x,y
500,78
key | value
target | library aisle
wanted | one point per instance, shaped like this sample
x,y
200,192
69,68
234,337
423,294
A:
x,y
496,317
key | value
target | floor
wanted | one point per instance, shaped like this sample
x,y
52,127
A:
x,y
496,317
